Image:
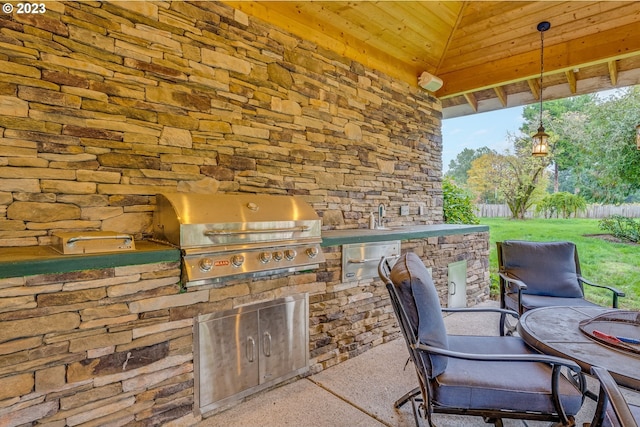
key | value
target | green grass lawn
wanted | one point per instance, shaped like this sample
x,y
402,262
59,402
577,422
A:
x,y
602,262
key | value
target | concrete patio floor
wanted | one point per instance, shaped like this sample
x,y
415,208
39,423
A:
x,y
361,391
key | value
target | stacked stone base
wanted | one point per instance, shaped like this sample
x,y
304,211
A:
x,y
114,346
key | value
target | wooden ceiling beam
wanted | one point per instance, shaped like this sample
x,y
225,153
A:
x,y
613,72
501,94
571,79
472,101
608,45
534,85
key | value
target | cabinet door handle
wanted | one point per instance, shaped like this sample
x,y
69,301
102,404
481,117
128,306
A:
x,y
366,260
251,349
266,344
454,288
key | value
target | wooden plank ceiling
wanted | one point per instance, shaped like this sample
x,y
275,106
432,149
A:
x,y
486,52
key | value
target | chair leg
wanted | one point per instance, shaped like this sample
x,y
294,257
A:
x,y
407,397
427,414
572,423
413,409
503,319
506,327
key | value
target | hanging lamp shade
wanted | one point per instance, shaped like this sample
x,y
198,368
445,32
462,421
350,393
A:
x,y
541,139
540,143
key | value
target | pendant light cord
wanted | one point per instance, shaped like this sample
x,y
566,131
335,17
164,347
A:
x,y
541,70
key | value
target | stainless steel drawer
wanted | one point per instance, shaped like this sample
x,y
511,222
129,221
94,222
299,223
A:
x,y
360,260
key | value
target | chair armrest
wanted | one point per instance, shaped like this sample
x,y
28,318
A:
x,y
610,393
503,314
616,293
519,283
481,310
537,358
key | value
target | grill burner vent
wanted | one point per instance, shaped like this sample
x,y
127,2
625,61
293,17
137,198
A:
x,y
224,235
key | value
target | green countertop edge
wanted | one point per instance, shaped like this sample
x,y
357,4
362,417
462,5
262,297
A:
x,y
29,261
341,237
54,263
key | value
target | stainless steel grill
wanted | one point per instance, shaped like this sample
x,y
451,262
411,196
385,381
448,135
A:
x,y
223,235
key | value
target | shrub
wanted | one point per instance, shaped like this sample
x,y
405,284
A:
x,y
563,203
622,227
457,205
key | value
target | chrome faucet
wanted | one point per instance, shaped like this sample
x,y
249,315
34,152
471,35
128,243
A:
x,y
381,213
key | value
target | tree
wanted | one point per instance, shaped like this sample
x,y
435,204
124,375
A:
x,y
593,148
459,167
519,178
524,185
563,119
481,173
614,169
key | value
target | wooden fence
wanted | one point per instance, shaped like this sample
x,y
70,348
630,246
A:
x,y
592,211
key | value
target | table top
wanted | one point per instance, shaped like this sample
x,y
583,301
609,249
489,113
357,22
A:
x,y
555,331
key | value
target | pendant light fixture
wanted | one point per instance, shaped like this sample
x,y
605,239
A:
x,y
541,139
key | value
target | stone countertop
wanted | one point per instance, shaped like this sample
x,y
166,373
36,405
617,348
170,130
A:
x,y
30,260
363,235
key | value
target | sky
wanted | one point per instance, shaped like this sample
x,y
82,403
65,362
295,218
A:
x,y
479,130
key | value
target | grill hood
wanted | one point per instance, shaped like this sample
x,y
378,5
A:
x,y
204,220
222,235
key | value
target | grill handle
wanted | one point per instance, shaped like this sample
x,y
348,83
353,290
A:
x,y
73,240
366,260
302,228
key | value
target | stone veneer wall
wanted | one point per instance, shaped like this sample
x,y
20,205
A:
x,y
96,347
105,104
102,106
347,319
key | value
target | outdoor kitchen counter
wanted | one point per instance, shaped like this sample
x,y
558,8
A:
x,y
363,235
30,260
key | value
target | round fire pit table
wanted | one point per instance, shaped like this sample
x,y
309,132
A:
x,y
556,331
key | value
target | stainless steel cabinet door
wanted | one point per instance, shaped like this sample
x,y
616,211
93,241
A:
x,y
283,339
457,277
228,356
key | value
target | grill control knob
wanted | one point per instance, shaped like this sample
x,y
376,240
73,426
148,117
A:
x,y
265,257
312,252
206,264
290,254
237,260
277,256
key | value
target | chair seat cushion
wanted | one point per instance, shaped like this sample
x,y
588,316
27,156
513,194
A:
x,y
529,302
514,386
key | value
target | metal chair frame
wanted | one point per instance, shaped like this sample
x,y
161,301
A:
x,y
610,394
494,416
509,282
